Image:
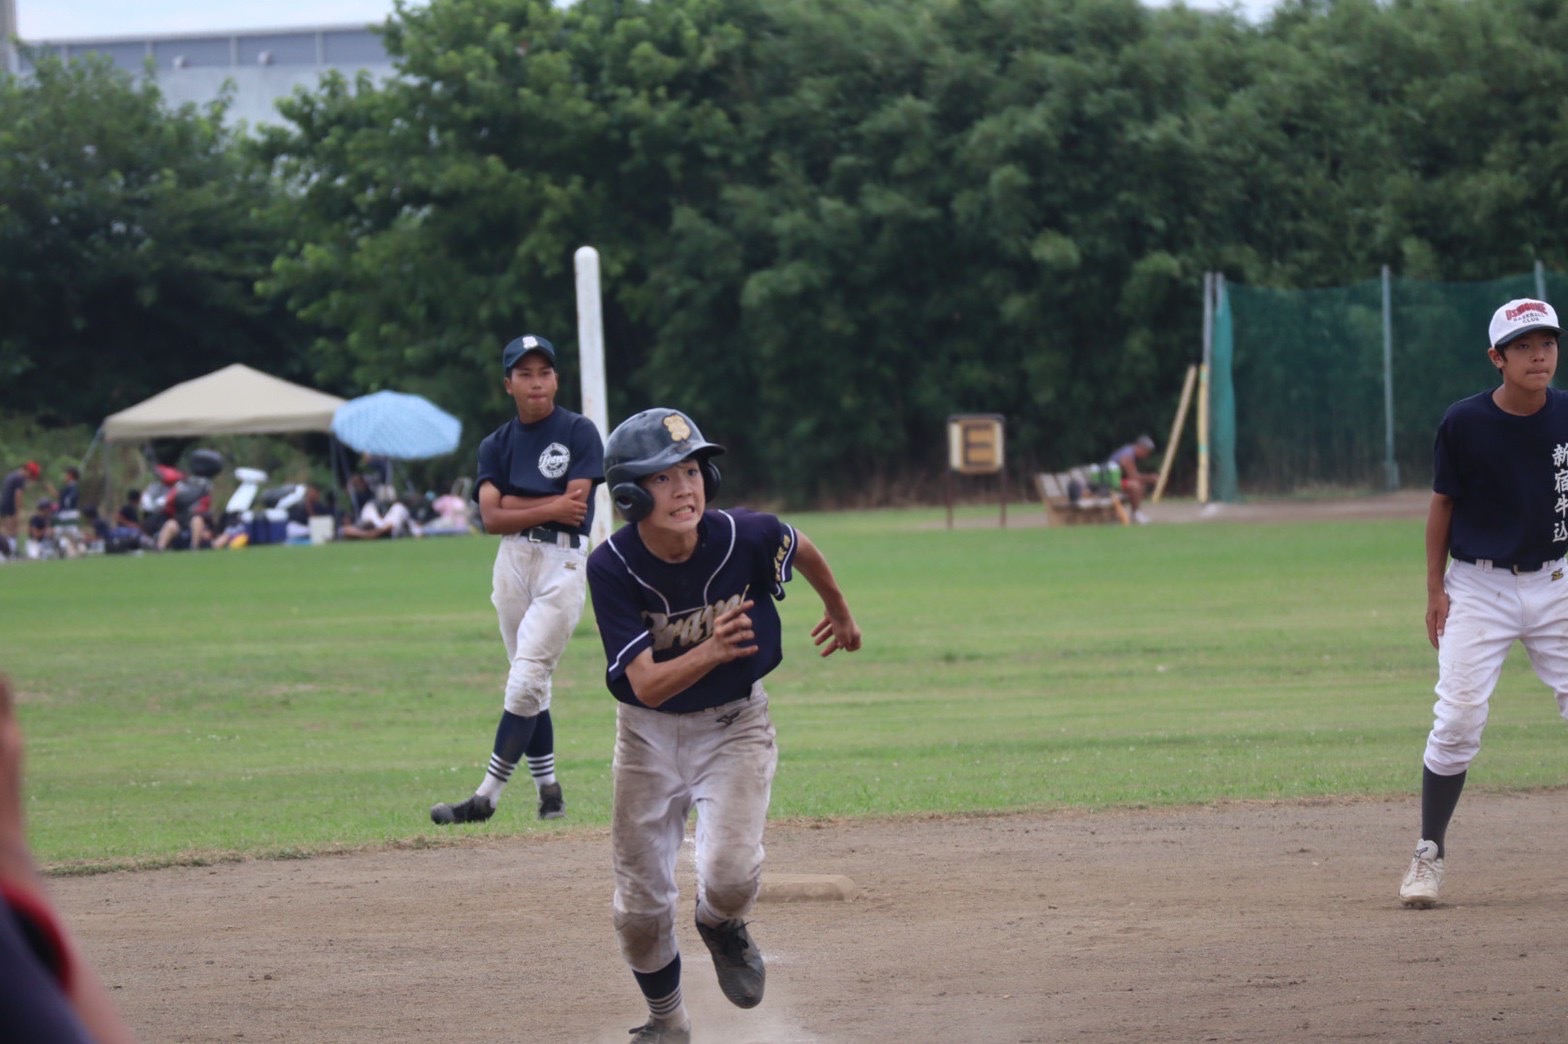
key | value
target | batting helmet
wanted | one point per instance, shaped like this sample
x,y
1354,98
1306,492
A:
x,y
645,444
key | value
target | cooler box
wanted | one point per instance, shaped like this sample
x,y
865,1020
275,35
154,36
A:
x,y
269,527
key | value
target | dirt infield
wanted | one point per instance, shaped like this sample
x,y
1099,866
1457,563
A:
x,y
1240,922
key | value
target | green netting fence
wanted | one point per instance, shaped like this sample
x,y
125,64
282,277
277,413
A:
x,y
1343,388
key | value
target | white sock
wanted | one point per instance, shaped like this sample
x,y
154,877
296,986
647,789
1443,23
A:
x,y
496,778
669,1010
542,770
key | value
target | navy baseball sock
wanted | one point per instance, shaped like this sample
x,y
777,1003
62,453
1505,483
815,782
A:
x,y
512,736
1439,798
541,751
662,990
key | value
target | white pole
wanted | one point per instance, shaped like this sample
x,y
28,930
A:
x,y
590,340
8,32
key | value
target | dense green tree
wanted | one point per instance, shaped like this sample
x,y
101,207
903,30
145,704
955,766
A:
x,y
826,225
440,212
131,237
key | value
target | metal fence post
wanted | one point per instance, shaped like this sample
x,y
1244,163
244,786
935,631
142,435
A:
x,y
1390,465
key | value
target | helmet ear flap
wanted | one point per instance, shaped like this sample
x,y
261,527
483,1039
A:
x,y
710,478
632,501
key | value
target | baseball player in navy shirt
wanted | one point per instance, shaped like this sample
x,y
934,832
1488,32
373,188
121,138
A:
x,y
684,598
1499,523
535,488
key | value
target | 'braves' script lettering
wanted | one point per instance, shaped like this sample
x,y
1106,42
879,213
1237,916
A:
x,y
683,630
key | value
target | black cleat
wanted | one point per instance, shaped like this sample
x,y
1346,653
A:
x,y
551,804
654,1033
737,961
475,810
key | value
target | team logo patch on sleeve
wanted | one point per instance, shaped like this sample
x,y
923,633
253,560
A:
x,y
554,461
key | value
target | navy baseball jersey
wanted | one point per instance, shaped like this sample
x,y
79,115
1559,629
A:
x,y
539,459
641,601
1508,477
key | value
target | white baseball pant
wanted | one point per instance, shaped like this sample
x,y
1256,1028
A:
x,y
720,761
538,591
1488,609
397,516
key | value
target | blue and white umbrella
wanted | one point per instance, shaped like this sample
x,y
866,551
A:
x,y
396,425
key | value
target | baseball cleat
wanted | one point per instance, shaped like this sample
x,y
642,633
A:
x,y
475,810
551,804
657,1033
1424,878
737,961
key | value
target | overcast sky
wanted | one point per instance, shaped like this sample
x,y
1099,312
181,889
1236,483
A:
x,y
64,19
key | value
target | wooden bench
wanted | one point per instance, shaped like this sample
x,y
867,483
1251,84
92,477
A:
x,y
1091,506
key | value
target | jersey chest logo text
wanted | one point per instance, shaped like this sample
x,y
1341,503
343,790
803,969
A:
x,y
1560,487
554,461
683,630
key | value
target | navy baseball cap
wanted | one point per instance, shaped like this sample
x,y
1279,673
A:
x,y
521,346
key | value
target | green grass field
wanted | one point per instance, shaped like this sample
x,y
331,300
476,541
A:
x,y
288,700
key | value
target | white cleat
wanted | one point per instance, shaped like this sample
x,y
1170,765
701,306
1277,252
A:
x,y
1423,879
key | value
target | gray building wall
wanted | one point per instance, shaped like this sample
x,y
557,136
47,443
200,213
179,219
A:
x,y
263,65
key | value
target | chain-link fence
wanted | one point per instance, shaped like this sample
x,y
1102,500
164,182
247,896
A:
x,y
1344,387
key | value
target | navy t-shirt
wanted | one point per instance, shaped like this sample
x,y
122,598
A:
x,y
641,601
539,459
1508,477
33,1004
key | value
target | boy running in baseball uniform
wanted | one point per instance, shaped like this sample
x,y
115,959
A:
x,y
535,488
684,598
1499,522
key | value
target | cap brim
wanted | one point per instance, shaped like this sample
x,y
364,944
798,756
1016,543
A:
x,y
523,355
1528,329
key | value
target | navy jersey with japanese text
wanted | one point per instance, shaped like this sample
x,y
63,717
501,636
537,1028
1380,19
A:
x,y
1508,477
641,601
539,459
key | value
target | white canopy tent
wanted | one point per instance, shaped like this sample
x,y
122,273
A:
x,y
235,400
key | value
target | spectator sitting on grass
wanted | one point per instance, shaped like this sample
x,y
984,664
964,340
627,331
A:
x,y
130,512
312,506
373,524
96,533
196,534
359,495
40,532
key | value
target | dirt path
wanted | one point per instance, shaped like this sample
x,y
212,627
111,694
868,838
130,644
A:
x,y
1241,922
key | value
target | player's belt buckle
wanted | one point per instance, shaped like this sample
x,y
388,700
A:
x,y
546,535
